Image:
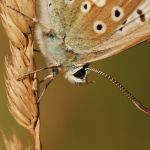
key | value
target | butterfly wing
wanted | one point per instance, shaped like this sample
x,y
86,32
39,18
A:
x,y
134,31
90,22
86,24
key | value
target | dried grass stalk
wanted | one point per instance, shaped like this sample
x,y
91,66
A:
x,y
13,143
22,95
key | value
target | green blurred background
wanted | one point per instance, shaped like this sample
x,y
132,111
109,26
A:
x,y
95,116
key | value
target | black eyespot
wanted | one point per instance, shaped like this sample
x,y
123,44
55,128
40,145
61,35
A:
x,y
99,27
117,13
85,6
82,72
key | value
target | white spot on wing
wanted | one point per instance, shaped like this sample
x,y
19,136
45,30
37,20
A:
x,y
99,3
69,1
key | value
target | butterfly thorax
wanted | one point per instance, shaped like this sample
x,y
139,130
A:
x,y
56,51
54,48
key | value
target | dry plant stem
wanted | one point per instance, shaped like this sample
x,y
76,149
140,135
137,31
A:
x,y
22,95
37,136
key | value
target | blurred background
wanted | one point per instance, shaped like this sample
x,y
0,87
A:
x,y
95,116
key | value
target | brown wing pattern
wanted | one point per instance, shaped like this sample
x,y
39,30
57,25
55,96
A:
x,y
134,31
88,24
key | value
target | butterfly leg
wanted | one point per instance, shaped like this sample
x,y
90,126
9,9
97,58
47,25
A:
x,y
50,77
47,29
39,70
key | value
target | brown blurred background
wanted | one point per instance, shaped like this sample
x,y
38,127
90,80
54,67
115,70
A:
x,y
90,117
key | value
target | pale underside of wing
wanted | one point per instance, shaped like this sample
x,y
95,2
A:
x,y
82,18
134,31
77,19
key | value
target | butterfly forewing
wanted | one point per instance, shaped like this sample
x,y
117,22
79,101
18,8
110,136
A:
x,y
134,30
91,23
94,29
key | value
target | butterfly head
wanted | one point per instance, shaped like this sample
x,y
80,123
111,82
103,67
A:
x,y
78,74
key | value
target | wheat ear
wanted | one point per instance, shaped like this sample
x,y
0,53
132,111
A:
x,y
22,95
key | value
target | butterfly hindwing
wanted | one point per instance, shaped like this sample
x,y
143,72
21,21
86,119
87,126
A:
x,y
134,30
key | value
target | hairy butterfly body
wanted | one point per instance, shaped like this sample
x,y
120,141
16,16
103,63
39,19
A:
x,y
83,31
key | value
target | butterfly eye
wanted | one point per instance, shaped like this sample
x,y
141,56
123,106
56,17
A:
x,y
117,13
80,73
69,1
100,27
99,3
86,6
77,75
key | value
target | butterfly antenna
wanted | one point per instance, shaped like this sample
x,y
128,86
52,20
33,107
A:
x,y
129,95
30,18
33,19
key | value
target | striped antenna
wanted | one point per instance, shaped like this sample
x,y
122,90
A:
x,y
35,20
128,94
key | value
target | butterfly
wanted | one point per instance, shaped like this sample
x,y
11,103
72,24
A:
x,y
75,33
